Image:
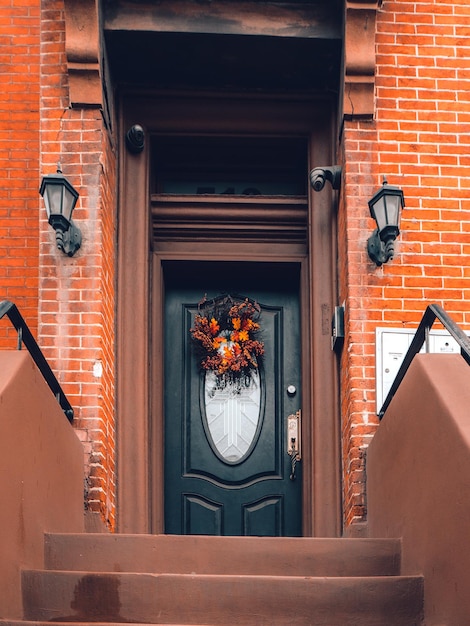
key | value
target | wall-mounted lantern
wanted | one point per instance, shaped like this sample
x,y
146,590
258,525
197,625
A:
x,y
385,207
60,198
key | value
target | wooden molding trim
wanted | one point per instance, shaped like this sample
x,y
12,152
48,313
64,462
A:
x,y
207,218
359,59
82,46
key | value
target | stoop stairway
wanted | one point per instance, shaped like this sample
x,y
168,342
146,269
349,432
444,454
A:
x,y
247,581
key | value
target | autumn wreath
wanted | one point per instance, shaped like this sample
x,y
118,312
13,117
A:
x,y
225,333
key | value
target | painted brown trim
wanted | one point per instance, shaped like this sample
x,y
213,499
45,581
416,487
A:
x,y
157,451
222,218
281,20
325,436
133,359
308,423
359,59
82,47
322,515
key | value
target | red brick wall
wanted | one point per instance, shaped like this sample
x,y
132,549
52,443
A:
x,y
420,140
76,305
19,160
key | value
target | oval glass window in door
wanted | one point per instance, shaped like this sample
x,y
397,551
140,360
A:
x,y
232,416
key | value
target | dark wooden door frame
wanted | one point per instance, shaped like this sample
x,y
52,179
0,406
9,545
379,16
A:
x,y
140,295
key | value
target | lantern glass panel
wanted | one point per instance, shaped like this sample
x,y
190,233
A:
x,y
53,198
59,197
385,208
392,208
379,213
68,203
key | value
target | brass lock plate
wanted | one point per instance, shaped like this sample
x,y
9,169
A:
x,y
293,434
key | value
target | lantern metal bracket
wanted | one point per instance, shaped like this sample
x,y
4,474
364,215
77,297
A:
x,y
135,139
380,251
70,240
320,175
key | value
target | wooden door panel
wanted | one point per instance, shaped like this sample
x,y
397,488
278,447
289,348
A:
x,y
200,459
204,492
264,517
201,516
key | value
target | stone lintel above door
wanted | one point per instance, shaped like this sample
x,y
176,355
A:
x,y
83,43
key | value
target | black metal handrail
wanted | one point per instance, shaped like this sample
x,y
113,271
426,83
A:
x,y
24,336
433,312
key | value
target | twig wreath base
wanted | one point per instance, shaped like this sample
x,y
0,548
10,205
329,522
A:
x,y
225,333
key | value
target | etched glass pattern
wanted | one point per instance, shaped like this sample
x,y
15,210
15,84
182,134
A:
x,y
232,416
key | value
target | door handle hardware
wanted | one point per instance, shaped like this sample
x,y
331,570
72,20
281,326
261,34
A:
x,y
291,390
293,434
294,440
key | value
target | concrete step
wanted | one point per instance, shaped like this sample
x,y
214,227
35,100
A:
x,y
273,556
222,600
9,622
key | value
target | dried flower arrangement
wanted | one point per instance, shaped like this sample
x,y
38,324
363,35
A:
x,y
225,332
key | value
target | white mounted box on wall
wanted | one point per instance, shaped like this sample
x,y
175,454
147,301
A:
x,y
390,348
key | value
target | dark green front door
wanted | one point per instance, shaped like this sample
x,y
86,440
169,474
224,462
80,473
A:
x,y
227,467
